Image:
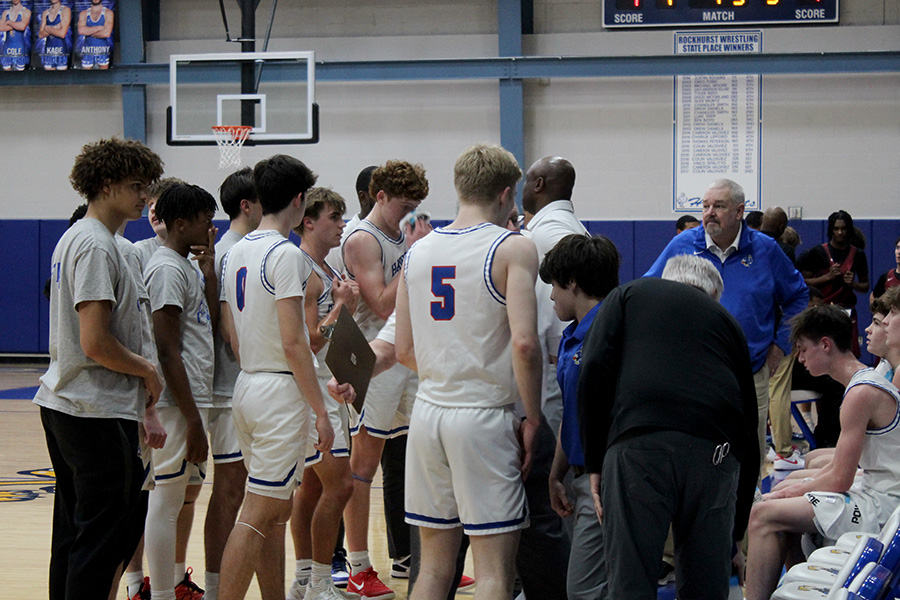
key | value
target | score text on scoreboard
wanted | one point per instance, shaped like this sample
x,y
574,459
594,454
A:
x,y
706,13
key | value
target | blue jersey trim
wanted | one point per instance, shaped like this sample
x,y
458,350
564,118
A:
x,y
269,287
495,524
227,456
281,483
488,266
434,520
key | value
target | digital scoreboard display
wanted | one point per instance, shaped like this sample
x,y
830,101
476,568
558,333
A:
x,y
710,13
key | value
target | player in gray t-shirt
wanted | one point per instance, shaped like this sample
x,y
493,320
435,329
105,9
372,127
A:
x,y
98,383
185,308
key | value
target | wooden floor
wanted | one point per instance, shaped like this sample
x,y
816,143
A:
x,y
26,502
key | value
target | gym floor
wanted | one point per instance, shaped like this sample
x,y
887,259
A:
x,y
26,500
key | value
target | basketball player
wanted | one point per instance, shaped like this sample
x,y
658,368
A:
x,y
467,322
327,485
15,22
148,246
264,322
831,503
366,202
373,257
185,312
95,25
98,383
238,198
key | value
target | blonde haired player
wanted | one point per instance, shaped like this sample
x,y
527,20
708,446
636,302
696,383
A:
x,y
467,322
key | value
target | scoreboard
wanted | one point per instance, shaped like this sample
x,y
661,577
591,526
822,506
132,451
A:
x,y
710,13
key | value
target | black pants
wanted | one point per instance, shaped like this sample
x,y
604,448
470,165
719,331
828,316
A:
x,y
98,508
828,407
655,479
393,476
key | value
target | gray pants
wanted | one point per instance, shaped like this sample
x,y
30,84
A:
x,y
655,479
587,563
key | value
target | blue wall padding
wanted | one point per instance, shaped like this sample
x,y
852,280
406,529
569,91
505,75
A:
x,y
20,286
27,246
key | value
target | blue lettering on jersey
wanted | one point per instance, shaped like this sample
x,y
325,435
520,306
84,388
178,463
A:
x,y
445,308
203,316
397,266
241,281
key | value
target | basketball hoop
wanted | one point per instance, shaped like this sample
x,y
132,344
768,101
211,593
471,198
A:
x,y
230,138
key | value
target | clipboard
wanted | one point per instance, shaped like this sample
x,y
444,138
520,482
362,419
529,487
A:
x,y
349,357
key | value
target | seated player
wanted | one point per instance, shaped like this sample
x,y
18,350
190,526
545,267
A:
x,y
830,503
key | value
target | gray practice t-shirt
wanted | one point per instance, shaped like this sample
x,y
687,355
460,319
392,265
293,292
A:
x,y
87,266
172,280
146,248
227,369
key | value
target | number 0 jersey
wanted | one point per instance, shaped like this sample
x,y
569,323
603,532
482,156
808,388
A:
x,y
459,321
262,268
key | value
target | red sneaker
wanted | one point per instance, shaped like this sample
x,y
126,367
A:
x,y
465,584
143,592
368,586
187,589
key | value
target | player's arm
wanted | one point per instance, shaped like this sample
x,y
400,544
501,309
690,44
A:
x,y
837,476
105,30
518,257
300,359
83,28
43,30
406,351
362,258
100,345
167,331
64,22
559,499
227,330
24,23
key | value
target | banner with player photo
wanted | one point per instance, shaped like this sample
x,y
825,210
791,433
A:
x,y
93,34
52,33
15,34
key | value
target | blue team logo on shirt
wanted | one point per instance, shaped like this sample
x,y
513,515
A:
x,y
748,260
576,358
203,314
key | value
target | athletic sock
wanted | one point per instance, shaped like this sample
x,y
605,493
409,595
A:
x,y
180,570
320,577
133,581
302,569
359,561
211,583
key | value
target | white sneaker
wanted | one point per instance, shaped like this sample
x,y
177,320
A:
x,y
329,592
771,455
297,591
790,463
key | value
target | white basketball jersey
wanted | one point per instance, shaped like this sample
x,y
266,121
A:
x,y
326,304
392,252
879,460
262,268
459,321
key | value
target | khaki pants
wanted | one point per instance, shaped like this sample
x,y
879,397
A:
x,y
780,405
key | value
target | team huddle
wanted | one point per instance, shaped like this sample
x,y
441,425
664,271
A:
x,y
173,348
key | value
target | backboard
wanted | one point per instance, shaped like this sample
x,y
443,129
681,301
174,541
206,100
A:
x,y
274,92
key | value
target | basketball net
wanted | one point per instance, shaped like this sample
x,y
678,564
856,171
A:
x,y
230,139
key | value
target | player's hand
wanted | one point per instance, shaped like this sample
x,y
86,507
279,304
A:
x,y
834,270
559,500
326,433
848,277
153,384
342,392
595,494
346,292
197,444
738,562
420,229
773,358
154,432
205,254
527,435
